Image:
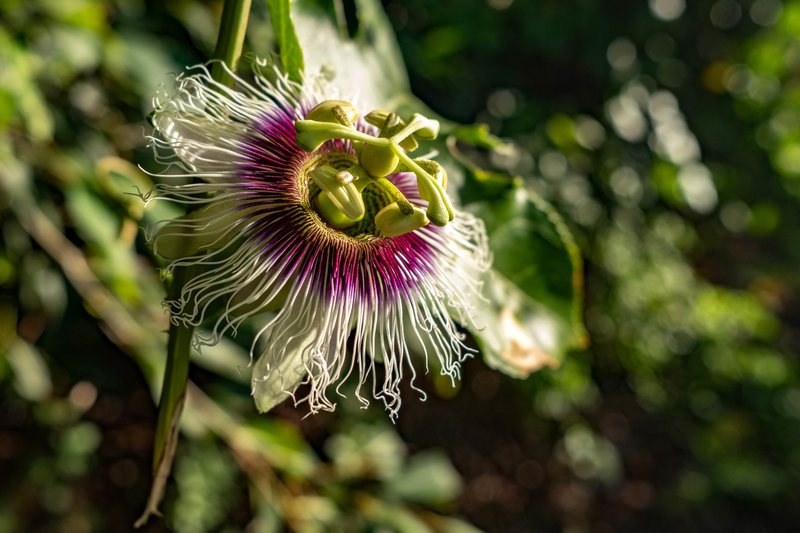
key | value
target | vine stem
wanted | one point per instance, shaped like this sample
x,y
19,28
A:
x,y
232,28
176,375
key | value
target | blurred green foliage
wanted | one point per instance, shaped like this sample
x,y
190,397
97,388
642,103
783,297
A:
x,y
666,133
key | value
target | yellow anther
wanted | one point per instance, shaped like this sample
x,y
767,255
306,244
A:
x,y
377,118
337,111
391,222
437,207
435,170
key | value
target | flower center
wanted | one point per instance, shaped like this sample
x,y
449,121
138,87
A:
x,y
349,214
360,199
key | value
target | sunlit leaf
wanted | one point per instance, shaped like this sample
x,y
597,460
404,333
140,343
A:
x,y
477,135
391,517
96,223
535,287
281,444
206,478
226,358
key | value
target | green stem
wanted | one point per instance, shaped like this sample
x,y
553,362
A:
x,y
341,20
177,372
232,29
231,38
408,129
229,47
170,407
176,375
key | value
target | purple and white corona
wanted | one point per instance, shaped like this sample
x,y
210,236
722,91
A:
x,y
316,222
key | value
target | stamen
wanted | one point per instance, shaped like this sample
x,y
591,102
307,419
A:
x,y
388,187
334,111
436,170
340,190
392,222
439,209
428,129
377,118
380,156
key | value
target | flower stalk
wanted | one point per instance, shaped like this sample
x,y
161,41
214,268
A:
x,y
232,29
173,392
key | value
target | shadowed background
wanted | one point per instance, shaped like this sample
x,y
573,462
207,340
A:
x,y
667,134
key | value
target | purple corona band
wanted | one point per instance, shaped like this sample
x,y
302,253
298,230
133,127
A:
x,y
336,265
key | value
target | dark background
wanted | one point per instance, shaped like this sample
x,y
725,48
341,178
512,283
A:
x,y
666,134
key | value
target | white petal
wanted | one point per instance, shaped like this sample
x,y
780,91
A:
x,y
272,383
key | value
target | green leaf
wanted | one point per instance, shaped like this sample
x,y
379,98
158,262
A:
x,y
122,181
535,287
281,444
170,406
206,479
446,524
366,450
386,516
31,375
533,248
226,358
429,478
288,44
477,135
96,223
